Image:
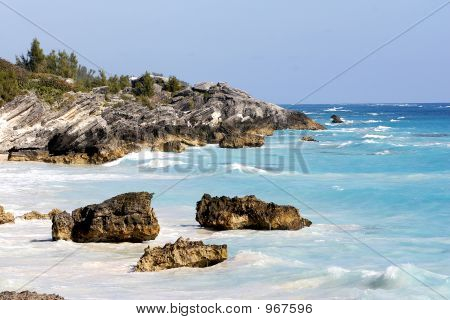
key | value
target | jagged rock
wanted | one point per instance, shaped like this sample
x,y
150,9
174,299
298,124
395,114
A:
x,y
336,119
91,128
54,212
309,139
128,217
5,217
34,215
183,253
28,295
62,225
224,213
173,146
100,90
241,140
203,86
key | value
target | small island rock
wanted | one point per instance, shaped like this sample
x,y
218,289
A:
x,y
336,119
6,217
128,217
224,213
182,253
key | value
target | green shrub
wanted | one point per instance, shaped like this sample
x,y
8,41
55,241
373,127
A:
x,y
9,86
144,86
173,85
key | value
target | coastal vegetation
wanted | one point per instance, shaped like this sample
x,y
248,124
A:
x,y
53,74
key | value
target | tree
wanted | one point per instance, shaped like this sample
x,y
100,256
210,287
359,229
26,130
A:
x,y
113,84
124,82
52,62
103,80
144,86
35,59
173,85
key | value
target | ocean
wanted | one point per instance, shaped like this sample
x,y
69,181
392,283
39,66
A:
x,y
376,187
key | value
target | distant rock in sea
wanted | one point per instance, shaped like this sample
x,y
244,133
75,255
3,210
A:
x,y
127,217
5,217
28,295
336,119
224,213
182,253
308,139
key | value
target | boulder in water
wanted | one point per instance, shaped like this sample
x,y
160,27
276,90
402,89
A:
x,y
336,119
5,217
128,217
224,213
182,253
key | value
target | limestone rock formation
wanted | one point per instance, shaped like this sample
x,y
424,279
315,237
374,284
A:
x,y
5,217
336,119
28,295
224,213
92,128
235,140
128,217
182,253
34,215
62,225
54,212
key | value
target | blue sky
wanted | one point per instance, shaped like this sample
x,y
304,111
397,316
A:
x,y
276,50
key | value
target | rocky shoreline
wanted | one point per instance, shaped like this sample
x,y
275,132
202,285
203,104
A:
x,y
97,127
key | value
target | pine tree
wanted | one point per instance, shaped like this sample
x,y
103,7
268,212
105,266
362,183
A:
x,y
35,59
144,86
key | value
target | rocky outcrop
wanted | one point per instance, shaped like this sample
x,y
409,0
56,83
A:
x,y
224,213
308,139
62,225
127,217
182,253
35,215
5,217
95,127
28,295
336,119
241,140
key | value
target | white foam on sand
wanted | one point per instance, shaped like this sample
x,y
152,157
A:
x,y
245,168
162,163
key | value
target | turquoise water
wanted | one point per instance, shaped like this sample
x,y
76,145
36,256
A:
x,y
375,187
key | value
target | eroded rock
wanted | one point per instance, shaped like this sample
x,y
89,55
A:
x,y
35,215
224,213
28,295
62,225
236,140
128,217
5,217
182,253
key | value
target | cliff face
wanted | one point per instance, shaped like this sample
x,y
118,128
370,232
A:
x,y
95,128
